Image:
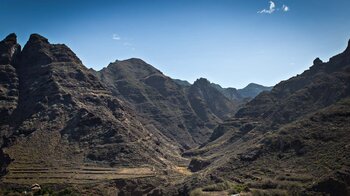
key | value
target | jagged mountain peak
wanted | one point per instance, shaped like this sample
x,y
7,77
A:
x,y
342,58
39,51
347,50
9,49
134,68
35,38
12,37
136,61
317,61
201,81
131,62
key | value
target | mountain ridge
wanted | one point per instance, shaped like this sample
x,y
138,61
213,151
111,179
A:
x,y
300,128
65,118
130,129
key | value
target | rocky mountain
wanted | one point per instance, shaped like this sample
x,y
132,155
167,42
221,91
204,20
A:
x,y
174,110
130,130
292,140
252,90
59,119
209,103
237,95
245,94
9,87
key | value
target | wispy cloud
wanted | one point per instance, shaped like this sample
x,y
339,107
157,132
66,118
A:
x,y
124,41
285,8
271,9
116,37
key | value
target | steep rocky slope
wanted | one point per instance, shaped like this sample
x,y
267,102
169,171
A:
x,y
209,103
129,129
157,98
73,125
58,118
9,90
178,111
292,140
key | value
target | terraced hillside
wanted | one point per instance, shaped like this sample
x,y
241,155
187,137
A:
x,y
22,174
53,161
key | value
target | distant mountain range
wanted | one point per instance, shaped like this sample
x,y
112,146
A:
x,y
130,130
248,92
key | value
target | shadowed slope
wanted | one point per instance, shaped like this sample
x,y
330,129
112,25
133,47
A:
x,y
291,140
163,103
66,119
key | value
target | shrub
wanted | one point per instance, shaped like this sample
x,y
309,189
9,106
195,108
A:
x,y
227,186
241,188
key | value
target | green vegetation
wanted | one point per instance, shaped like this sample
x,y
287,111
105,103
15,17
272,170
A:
x,y
239,188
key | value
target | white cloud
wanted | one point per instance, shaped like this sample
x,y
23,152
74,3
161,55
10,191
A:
x,y
285,8
116,37
271,9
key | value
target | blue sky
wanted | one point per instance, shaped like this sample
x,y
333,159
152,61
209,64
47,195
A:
x,y
230,42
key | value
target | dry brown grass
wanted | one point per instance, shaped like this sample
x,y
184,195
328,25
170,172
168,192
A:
x,y
183,170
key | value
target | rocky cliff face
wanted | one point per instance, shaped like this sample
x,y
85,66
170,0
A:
x,y
9,91
130,128
62,118
157,98
292,140
320,86
209,103
9,50
184,113
58,116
